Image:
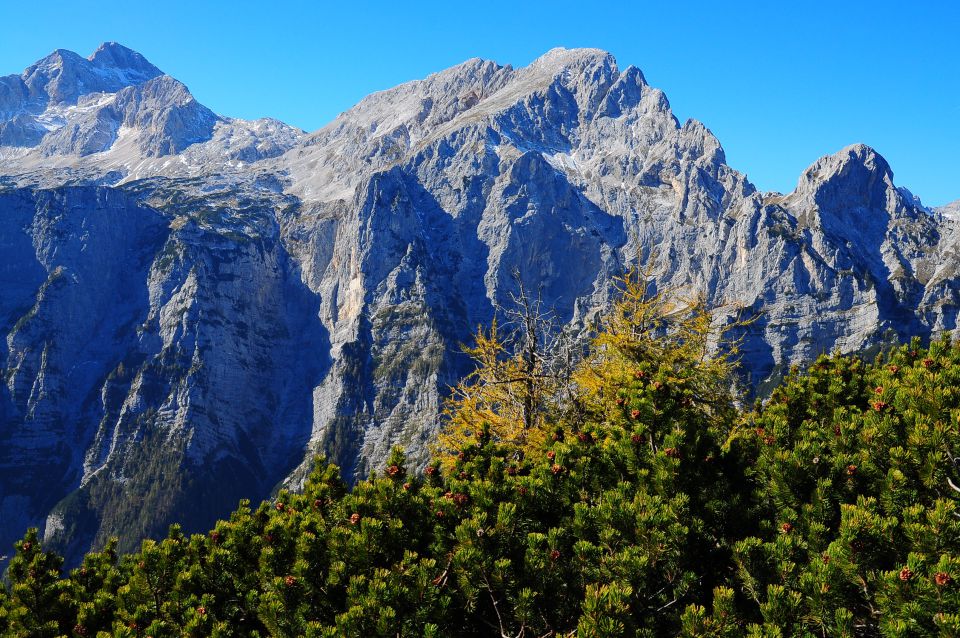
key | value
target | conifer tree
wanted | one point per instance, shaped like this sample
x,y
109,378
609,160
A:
x,y
522,376
36,607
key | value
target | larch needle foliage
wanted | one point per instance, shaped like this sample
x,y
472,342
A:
x,y
508,395
637,501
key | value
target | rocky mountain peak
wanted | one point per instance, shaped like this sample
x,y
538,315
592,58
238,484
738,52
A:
x,y
56,61
112,56
64,76
851,161
586,73
59,76
560,59
855,177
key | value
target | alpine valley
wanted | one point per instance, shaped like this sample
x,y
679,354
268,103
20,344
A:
x,y
194,306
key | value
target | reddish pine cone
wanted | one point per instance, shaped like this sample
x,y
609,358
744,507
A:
x,y
621,400
393,470
556,469
786,528
942,579
554,555
635,414
354,518
906,574
851,469
290,581
551,455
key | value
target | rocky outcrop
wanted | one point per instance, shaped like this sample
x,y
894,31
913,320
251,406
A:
x,y
194,305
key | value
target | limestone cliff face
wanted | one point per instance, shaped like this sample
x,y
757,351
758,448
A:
x,y
159,358
193,306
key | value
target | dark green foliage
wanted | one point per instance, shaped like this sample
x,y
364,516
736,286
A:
x,y
36,605
651,509
852,469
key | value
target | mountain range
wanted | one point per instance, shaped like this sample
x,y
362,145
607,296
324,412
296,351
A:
x,y
193,306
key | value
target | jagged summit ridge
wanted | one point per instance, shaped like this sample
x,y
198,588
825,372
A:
x,y
63,76
285,293
119,107
391,126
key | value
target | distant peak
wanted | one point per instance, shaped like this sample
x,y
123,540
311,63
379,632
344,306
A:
x,y
115,56
56,58
563,53
64,76
561,57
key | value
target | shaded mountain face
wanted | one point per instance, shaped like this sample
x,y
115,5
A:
x,y
194,306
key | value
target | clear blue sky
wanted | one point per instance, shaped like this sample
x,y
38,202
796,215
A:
x,y
779,83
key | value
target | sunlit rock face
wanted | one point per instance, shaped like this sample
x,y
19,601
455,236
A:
x,y
193,306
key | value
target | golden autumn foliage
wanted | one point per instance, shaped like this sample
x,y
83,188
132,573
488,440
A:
x,y
507,393
647,339
670,346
